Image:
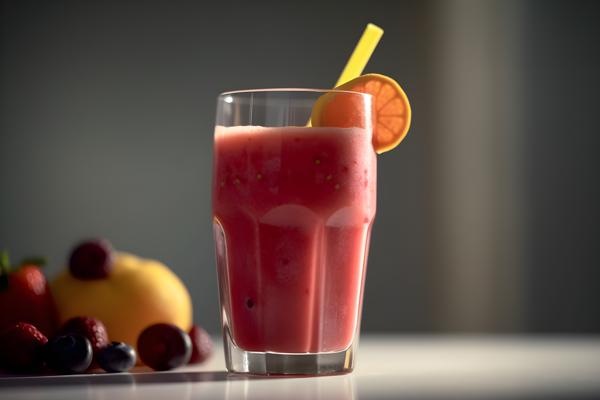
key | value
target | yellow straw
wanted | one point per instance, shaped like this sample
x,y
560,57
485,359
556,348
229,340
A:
x,y
361,54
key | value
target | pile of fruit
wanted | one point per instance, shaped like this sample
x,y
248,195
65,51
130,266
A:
x,y
65,327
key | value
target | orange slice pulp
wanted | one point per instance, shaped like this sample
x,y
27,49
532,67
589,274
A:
x,y
391,112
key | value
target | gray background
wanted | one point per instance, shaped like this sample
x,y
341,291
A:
x,y
487,213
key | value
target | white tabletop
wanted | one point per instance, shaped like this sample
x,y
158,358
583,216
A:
x,y
428,367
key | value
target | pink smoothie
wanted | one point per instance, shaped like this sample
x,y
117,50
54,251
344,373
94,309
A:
x,y
293,210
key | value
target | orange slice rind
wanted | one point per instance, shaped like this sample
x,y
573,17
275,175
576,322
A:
x,y
391,112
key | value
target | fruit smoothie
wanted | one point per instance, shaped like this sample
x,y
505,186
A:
x,y
293,209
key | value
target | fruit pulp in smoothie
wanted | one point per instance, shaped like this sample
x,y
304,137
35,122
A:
x,y
293,209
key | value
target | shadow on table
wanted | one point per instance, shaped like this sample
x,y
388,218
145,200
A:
x,y
137,378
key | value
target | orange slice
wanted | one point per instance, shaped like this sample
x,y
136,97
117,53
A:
x,y
391,110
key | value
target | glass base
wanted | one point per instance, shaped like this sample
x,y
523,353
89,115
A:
x,y
269,363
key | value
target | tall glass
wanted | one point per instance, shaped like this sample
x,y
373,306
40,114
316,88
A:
x,y
293,207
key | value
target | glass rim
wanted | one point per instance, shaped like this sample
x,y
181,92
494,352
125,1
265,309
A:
x,y
284,90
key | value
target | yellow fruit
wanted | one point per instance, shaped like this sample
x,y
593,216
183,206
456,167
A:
x,y
137,293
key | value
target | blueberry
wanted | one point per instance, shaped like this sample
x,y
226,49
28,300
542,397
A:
x,y
92,259
117,357
69,353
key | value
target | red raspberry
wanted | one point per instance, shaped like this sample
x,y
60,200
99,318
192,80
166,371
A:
x,y
92,259
21,348
202,345
91,328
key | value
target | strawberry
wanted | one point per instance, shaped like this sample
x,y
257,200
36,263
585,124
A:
x,y
25,295
21,348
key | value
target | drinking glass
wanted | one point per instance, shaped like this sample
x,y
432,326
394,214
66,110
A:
x,y
293,206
